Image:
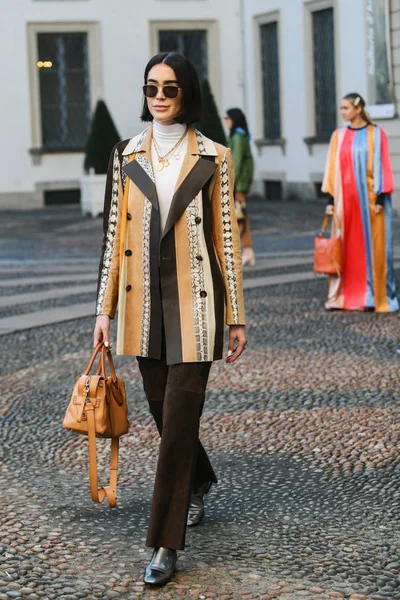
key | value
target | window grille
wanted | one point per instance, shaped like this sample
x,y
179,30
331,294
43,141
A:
x,y
52,197
270,80
273,189
324,71
190,43
64,90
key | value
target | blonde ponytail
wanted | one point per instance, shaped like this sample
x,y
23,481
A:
x,y
366,116
358,100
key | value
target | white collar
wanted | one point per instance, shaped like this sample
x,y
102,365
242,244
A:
x,y
205,145
168,132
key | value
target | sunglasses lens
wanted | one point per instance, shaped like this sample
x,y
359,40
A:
x,y
170,91
150,91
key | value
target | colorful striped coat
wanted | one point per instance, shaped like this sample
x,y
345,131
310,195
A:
x,y
186,279
358,175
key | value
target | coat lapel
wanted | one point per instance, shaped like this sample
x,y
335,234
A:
x,y
194,174
140,170
197,168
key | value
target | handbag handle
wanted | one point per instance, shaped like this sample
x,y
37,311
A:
x,y
326,221
101,369
92,358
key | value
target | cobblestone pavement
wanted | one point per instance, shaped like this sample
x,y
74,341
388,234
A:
x,y
304,433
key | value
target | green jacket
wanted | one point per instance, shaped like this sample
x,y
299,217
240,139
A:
x,y
242,160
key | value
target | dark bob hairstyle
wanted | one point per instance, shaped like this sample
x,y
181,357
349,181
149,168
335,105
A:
x,y
188,80
238,120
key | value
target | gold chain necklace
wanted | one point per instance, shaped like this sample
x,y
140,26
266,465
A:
x,y
162,150
163,160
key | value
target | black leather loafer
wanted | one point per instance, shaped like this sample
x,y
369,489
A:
x,y
196,506
161,567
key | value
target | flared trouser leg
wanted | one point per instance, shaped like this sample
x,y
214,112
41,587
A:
x,y
176,398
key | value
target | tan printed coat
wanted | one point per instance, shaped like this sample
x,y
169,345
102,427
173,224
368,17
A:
x,y
186,279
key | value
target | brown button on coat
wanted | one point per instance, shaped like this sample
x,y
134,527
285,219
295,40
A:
x,y
169,286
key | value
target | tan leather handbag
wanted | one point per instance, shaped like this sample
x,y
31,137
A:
x,y
328,254
98,408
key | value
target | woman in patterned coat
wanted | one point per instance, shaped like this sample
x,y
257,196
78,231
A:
x,y
171,262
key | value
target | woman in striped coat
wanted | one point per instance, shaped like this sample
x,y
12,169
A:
x,y
359,183
171,261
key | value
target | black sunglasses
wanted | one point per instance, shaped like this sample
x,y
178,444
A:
x,y
169,91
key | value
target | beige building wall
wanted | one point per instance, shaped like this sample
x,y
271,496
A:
x,y
122,36
299,166
393,130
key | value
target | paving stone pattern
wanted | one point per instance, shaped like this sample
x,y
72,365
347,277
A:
x,y
304,434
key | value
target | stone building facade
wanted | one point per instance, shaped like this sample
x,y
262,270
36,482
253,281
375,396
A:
x,y
285,62
301,57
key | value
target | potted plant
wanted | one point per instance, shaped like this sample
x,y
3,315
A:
x,y
210,124
103,136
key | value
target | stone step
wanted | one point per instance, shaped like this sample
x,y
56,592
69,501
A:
x,y
47,317
73,277
49,268
263,264
67,313
53,294
268,280
59,315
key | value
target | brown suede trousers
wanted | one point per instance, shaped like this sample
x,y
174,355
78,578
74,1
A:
x,y
176,396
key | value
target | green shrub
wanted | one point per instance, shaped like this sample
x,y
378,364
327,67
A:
x,y
211,125
102,138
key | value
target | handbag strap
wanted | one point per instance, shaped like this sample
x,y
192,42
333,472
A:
x,y
326,221
93,358
110,490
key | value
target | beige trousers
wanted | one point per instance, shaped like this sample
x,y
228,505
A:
x,y
246,240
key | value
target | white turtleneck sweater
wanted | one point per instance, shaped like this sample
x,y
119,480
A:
x,y
167,136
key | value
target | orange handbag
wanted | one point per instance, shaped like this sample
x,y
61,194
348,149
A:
x,y
98,408
328,253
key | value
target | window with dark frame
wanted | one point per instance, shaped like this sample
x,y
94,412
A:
x,y
52,197
273,189
270,80
192,43
318,189
324,72
63,67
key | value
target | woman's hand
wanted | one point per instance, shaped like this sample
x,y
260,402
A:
x,y
329,209
236,334
101,331
378,209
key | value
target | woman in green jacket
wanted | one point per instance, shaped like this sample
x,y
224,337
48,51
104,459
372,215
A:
x,y
244,167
